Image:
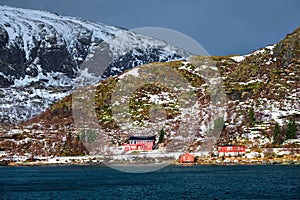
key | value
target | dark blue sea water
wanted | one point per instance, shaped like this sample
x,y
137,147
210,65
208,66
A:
x,y
172,182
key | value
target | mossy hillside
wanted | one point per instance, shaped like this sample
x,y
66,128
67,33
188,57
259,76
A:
x,y
259,74
259,79
140,103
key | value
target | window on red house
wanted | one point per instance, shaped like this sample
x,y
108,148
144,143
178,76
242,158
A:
x,y
229,148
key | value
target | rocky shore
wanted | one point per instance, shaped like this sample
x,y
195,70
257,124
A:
x,y
245,161
98,160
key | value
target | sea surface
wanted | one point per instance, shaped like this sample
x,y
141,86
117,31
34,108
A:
x,y
171,182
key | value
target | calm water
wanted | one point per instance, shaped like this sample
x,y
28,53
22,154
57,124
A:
x,y
172,182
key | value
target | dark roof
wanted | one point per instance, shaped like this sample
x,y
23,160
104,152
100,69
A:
x,y
141,138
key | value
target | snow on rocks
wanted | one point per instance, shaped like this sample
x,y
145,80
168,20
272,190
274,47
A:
x,y
238,58
260,51
133,72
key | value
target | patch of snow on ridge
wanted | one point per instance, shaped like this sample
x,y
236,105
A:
x,y
54,79
238,58
270,47
5,76
133,72
159,99
247,83
260,51
85,78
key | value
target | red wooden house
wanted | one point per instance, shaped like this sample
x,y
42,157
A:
x,y
140,143
231,150
186,158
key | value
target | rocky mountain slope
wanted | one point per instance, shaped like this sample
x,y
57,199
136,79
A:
x,y
260,90
43,56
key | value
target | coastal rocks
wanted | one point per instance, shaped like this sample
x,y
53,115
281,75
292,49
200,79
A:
x,y
4,163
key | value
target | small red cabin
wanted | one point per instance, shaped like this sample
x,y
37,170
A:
x,y
140,143
186,158
231,150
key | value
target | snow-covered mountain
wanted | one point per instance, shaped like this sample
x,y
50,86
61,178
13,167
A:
x,y
43,56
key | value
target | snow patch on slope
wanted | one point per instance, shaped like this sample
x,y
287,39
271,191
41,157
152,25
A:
x,y
134,72
260,51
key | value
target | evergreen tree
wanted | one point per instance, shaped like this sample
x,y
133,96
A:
x,y
276,134
78,138
251,116
161,136
91,135
69,134
291,129
219,123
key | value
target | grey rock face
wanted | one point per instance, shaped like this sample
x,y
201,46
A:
x,y
288,49
3,36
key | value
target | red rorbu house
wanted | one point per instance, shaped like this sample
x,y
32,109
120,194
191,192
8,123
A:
x,y
140,143
231,150
186,158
